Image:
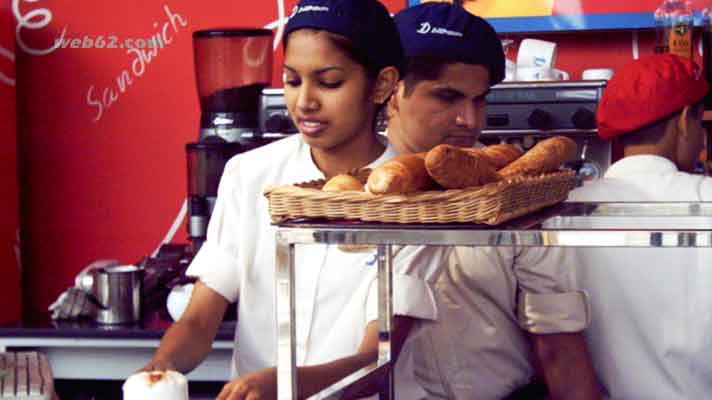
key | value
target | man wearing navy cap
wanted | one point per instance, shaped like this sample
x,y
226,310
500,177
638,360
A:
x,y
452,60
651,308
493,302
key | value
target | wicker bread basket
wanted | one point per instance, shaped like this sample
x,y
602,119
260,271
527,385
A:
x,y
490,204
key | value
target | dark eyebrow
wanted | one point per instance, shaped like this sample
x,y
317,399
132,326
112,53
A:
x,y
448,89
452,90
318,71
327,69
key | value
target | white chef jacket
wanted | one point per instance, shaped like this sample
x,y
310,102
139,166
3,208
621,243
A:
x,y
489,298
651,330
336,291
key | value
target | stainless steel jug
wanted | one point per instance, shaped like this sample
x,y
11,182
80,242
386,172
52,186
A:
x,y
116,291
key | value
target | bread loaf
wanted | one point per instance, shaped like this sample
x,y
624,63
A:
x,y
502,154
458,168
546,156
403,174
342,182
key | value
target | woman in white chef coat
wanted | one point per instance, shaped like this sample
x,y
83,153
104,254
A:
x,y
342,60
651,308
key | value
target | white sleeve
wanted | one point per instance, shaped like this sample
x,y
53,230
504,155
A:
x,y
547,299
216,262
706,189
415,270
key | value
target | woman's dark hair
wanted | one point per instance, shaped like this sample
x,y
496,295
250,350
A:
x,y
345,45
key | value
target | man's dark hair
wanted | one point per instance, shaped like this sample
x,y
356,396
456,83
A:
x,y
653,133
422,68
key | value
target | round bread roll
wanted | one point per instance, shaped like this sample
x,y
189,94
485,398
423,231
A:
x,y
405,173
342,182
156,385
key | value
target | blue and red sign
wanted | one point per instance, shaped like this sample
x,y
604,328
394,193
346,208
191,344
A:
x,y
568,15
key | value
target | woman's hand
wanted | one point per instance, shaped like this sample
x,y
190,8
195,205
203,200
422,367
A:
x,y
158,365
260,385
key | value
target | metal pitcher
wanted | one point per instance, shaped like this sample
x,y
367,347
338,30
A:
x,y
116,291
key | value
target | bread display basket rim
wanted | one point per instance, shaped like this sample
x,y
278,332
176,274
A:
x,y
490,204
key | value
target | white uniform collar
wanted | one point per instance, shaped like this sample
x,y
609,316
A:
x,y
642,164
387,154
314,171
477,144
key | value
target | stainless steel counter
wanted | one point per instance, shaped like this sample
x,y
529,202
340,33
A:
x,y
643,225
85,350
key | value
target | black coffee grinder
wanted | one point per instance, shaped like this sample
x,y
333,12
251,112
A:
x,y
232,66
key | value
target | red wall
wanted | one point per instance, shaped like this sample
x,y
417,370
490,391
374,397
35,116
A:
x,y
107,181
103,171
584,50
9,268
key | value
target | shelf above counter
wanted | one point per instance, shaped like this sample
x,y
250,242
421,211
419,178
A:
x,y
563,225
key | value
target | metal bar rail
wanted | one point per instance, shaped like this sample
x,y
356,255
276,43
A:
x,y
642,225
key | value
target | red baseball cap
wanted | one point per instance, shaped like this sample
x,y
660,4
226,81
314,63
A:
x,y
646,91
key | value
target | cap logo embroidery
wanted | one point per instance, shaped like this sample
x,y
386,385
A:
x,y
425,28
298,10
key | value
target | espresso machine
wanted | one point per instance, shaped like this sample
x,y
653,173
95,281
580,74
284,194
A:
x,y
523,113
232,67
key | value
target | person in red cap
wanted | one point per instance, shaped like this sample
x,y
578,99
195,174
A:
x,y
651,308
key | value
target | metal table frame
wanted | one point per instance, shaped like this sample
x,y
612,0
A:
x,y
664,225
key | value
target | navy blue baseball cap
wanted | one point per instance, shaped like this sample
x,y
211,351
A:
x,y
366,23
451,33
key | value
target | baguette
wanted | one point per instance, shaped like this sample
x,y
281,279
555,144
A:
x,y
458,168
546,156
403,174
502,154
342,182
